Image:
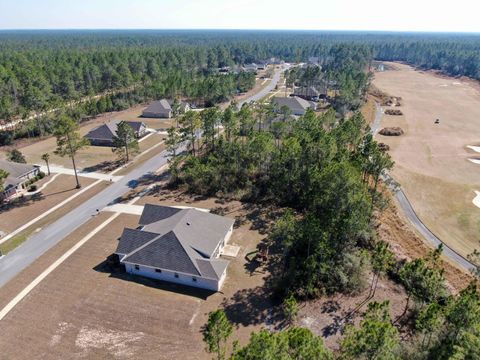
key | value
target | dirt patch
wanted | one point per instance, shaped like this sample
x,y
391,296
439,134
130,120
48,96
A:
x,y
394,112
391,131
328,316
368,110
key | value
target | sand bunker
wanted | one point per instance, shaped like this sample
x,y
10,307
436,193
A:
x,y
475,161
474,148
476,200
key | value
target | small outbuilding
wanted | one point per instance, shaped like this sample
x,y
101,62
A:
x,y
103,135
182,246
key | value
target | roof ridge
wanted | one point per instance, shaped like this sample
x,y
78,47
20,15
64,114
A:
x,y
193,260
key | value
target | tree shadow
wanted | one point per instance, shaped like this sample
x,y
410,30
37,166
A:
x,y
330,306
22,202
104,166
253,307
262,216
117,271
339,319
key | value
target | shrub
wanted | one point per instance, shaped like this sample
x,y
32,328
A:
x,y
32,188
40,175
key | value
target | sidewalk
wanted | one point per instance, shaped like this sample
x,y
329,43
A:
x,y
92,175
138,209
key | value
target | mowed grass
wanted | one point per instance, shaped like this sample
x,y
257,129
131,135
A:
x,y
431,160
445,207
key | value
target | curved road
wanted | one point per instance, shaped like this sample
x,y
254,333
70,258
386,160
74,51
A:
x,y
17,260
409,212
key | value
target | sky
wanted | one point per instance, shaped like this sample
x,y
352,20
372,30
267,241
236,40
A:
x,y
399,15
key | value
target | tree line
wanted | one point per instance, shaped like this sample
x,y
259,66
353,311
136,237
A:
x,y
325,173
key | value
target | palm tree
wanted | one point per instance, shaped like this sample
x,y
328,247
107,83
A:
x,y
46,158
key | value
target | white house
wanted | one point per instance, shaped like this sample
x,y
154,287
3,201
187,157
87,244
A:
x,y
177,245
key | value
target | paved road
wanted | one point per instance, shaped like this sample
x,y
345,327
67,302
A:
x,y
266,90
17,260
409,212
24,255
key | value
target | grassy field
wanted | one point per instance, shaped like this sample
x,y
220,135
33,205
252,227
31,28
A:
x,y
432,159
91,156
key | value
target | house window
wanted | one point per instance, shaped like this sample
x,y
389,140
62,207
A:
x,y
194,279
137,267
158,270
176,275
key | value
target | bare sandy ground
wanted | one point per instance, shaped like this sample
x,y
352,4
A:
x,y
432,160
86,310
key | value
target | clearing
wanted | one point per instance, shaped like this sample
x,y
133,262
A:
x,y
94,158
87,309
432,160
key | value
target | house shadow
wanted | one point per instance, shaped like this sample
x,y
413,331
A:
x,y
117,271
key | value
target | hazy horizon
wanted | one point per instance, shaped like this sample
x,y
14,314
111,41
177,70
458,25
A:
x,y
279,15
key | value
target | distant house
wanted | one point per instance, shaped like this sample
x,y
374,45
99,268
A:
x,y
297,105
163,109
307,93
18,174
177,245
103,135
314,60
250,67
262,65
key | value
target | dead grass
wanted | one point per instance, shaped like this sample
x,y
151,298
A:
x,y
395,229
29,207
368,109
89,310
432,159
90,156
28,213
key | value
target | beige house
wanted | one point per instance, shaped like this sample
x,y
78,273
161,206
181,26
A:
x,y
18,175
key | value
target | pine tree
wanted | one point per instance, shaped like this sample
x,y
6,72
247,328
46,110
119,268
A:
x,y
216,333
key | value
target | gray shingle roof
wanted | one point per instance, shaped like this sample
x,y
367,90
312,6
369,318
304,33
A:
x,y
15,172
132,239
109,130
294,103
164,106
165,252
185,241
152,213
159,106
